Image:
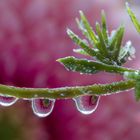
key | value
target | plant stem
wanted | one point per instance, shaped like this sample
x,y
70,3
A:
x,y
67,92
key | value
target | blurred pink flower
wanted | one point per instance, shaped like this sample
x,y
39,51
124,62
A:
x,y
32,37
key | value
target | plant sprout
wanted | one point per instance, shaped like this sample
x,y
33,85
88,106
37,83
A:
x,y
108,54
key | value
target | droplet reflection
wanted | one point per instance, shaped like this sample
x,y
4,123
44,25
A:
x,y
87,104
7,100
42,107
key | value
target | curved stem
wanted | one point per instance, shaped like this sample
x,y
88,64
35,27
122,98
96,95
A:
x,y
67,92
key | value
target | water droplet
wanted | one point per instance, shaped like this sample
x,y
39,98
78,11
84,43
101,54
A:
x,y
7,100
87,104
42,107
62,94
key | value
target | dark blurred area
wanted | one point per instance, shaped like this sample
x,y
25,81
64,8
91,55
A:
x,y
32,37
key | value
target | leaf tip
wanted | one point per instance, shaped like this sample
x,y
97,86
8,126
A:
x,y
126,4
81,13
59,60
68,31
103,13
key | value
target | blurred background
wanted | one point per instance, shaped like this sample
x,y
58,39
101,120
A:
x,y
32,37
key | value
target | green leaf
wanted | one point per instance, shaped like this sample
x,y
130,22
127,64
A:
x,y
133,18
114,38
101,44
78,65
84,31
126,52
118,42
104,27
137,86
89,67
81,43
135,75
115,43
86,25
85,46
137,90
80,51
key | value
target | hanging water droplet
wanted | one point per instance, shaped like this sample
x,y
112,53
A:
x,y
42,107
87,104
7,100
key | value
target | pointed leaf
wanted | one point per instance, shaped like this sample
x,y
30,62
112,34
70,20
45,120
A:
x,y
118,42
133,18
80,51
115,43
104,27
101,45
89,67
81,43
89,29
84,31
126,52
84,46
114,37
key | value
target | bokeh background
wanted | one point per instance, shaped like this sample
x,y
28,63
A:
x,y
32,37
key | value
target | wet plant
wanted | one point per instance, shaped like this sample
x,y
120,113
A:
x,y
107,54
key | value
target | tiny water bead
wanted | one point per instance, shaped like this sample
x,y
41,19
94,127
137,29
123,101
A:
x,y
7,100
42,107
87,104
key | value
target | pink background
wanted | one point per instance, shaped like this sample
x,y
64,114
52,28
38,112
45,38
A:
x,y
32,37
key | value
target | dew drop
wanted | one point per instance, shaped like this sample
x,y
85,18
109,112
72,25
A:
x,y
87,104
62,94
7,100
42,107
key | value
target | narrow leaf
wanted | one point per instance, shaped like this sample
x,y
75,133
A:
x,y
87,26
114,38
89,67
118,42
133,18
84,46
84,30
126,52
81,43
101,46
80,51
137,90
104,27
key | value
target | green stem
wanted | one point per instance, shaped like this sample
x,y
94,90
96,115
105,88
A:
x,y
67,92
